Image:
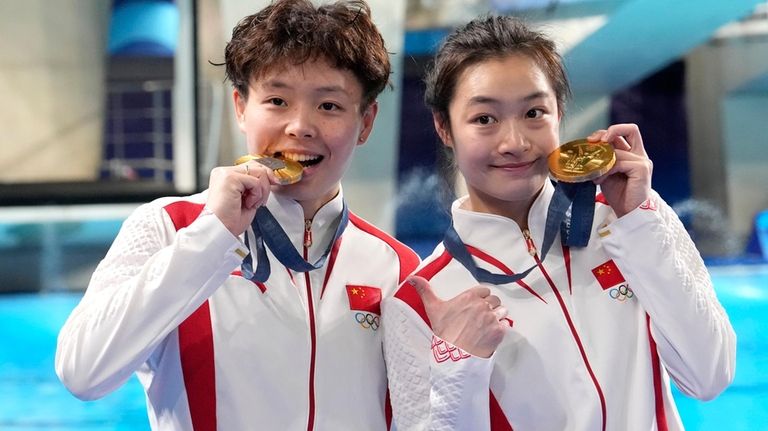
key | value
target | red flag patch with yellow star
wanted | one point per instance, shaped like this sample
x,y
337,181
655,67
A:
x,y
608,275
364,298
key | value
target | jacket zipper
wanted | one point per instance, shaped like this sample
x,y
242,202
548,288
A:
x,y
312,329
529,242
307,234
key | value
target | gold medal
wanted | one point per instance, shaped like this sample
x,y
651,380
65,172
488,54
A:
x,y
580,160
286,171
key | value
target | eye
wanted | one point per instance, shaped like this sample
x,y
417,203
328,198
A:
x,y
534,113
277,101
328,106
484,119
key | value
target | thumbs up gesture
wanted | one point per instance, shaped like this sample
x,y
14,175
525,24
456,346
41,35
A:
x,y
469,321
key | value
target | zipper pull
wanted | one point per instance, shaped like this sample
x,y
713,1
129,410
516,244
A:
x,y
529,242
307,233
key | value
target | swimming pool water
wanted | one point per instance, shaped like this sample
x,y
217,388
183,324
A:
x,y
33,399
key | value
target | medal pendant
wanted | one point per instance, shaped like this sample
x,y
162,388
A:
x,y
286,171
580,160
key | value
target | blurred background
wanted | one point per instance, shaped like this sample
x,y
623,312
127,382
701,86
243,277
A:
x,y
108,104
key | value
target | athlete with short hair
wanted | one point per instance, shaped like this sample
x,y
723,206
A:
x,y
256,305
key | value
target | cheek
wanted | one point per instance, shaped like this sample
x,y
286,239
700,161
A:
x,y
547,140
470,159
341,139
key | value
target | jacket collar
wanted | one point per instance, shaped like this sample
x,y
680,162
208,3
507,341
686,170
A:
x,y
495,234
290,215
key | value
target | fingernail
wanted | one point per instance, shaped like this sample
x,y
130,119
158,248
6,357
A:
x,y
411,282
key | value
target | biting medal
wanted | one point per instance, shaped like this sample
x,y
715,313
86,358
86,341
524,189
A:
x,y
580,160
286,171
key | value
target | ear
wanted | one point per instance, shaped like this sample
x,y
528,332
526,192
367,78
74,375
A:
x,y
369,116
240,102
441,127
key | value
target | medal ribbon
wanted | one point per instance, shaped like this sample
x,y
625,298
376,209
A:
x,y
267,230
574,230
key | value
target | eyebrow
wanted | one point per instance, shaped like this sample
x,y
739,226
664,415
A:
x,y
479,100
326,89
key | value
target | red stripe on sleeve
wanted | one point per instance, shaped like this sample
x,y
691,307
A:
x,y
196,342
408,294
183,213
196,351
499,421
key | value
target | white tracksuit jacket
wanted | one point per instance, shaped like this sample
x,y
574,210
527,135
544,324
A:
x,y
214,350
594,333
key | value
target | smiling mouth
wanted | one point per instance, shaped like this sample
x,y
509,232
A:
x,y
513,165
304,160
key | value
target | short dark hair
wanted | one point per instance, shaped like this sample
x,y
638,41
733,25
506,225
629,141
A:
x,y
292,32
485,38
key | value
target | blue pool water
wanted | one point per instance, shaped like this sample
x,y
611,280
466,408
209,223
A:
x,y
32,398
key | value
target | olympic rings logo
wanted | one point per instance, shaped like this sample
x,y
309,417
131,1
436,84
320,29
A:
x,y
621,293
367,320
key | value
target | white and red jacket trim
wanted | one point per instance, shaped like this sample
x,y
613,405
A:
x,y
214,350
594,333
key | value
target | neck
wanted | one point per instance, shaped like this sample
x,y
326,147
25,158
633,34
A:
x,y
515,210
312,206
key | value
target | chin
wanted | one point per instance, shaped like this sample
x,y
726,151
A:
x,y
302,191
519,194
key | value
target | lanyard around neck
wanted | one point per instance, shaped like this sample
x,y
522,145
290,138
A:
x,y
574,230
267,231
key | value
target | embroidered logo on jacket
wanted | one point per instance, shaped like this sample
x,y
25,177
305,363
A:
x,y
367,320
366,301
444,351
621,293
649,204
608,275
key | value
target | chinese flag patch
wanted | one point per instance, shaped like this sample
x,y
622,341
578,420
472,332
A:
x,y
608,275
364,298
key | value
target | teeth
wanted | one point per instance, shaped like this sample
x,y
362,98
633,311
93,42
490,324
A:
x,y
299,157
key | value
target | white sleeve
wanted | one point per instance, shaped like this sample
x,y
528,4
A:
x,y
146,285
693,334
432,391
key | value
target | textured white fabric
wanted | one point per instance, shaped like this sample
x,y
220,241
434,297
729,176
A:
x,y
267,340
416,380
571,338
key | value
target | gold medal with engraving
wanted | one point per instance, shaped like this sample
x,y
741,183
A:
x,y
286,171
580,160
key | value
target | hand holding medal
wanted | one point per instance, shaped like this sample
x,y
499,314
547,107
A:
x,y
236,192
616,160
628,183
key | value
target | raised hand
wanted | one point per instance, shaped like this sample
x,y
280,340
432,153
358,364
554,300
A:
x,y
628,183
469,321
236,192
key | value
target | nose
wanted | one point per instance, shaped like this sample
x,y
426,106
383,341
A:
x,y
301,124
513,142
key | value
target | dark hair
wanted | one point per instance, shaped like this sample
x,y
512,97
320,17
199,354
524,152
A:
x,y
486,38
292,32
483,38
